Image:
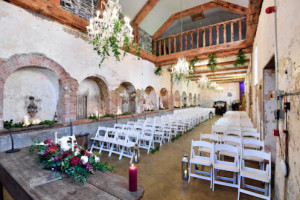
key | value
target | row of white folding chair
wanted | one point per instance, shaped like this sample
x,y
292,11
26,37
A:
x,y
115,141
215,164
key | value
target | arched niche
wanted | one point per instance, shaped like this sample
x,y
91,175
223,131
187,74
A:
x,y
195,99
198,99
177,99
126,95
91,97
150,98
164,98
184,99
32,92
190,99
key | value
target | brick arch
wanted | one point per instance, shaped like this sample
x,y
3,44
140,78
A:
x,y
67,85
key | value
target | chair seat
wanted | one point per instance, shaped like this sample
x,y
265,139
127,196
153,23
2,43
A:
x,y
201,161
253,158
255,176
226,153
226,167
203,149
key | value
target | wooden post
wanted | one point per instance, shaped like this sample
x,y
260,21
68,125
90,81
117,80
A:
x,y
210,36
136,33
192,40
197,38
175,47
232,32
159,46
224,32
180,43
165,52
154,47
204,40
240,30
170,48
185,42
217,40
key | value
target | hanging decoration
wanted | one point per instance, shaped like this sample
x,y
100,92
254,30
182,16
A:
x,y
241,59
212,62
203,81
110,34
158,71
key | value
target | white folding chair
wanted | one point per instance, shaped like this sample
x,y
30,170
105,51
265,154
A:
x,y
228,165
217,129
98,138
248,134
201,160
260,175
235,133
146,139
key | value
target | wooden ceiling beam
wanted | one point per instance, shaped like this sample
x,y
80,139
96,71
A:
x,y
149,5
221,70
221,64
231,7
53,11
253,13
229,73
231,81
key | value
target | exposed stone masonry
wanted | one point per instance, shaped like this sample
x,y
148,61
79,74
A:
x,y
81,8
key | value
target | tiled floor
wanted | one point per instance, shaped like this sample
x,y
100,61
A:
x,y
160,173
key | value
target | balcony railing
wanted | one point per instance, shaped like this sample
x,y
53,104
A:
x,y
221,33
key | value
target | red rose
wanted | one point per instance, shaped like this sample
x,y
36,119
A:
x,y
48,141
52,149
74,161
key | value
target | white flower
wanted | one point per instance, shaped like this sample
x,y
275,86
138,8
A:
x,y
97,159
76,153
84,159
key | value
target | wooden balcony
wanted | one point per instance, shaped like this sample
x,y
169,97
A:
x,y
221,37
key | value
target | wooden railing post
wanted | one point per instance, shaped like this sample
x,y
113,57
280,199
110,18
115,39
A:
x,y
185,42
217,39
154,47
232,32
175,47
159,46
197,39
224,32
165,52
240,30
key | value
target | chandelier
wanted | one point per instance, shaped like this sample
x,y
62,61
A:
x,y
182,67
109,33
203,81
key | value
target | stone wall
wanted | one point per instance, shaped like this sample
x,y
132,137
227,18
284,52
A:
x,y
81,8
288,16
145,40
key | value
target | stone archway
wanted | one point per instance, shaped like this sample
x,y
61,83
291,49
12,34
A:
x,y
190,101
150,98
92,97
184,100
198,102
195,100
177,99
126,98
66,106
164,99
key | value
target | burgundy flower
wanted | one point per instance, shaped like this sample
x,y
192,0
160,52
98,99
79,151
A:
x,y
88,167
48,141
74,161
52,149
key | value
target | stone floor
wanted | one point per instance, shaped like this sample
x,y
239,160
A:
x,y
160,173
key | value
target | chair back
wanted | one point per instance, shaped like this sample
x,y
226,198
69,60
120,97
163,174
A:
x,y
201,145
250,143
100,132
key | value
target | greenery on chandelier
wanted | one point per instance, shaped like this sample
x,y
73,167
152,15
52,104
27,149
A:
x,y
240,58
112,43
158,71
212,62
192,64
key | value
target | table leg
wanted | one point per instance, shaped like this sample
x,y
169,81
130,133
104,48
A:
x,y
1,192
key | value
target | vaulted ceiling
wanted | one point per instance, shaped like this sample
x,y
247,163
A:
x,y
165,8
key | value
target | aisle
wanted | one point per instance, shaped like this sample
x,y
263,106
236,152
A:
x,y
160,173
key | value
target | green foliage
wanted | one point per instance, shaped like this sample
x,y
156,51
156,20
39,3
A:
x,y
50,156
176,137
184,105
112,44
108,115
163,108
151,110
212,62
125,113
158,71
92,116
240,59
155,150
192,64
176,106
11,124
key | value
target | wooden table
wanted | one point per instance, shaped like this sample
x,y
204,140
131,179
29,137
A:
x,y
17,169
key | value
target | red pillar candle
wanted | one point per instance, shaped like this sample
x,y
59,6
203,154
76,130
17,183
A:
x,y
132,178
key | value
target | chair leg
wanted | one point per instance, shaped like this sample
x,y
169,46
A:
x,y
190,173
239,188
213,180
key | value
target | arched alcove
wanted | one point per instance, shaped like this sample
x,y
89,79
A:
x,y
31,87
177,99
150,98
184,99
91,97
126,98
190,99
164,98
198,102
195,99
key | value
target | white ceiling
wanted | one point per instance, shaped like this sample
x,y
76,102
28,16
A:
x,y
162,10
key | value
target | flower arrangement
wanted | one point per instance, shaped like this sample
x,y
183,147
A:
x,y
78,163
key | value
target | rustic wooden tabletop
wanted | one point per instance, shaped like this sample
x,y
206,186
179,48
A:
x,y
17,169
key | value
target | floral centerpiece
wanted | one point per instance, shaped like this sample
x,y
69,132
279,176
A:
x,y
78,163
